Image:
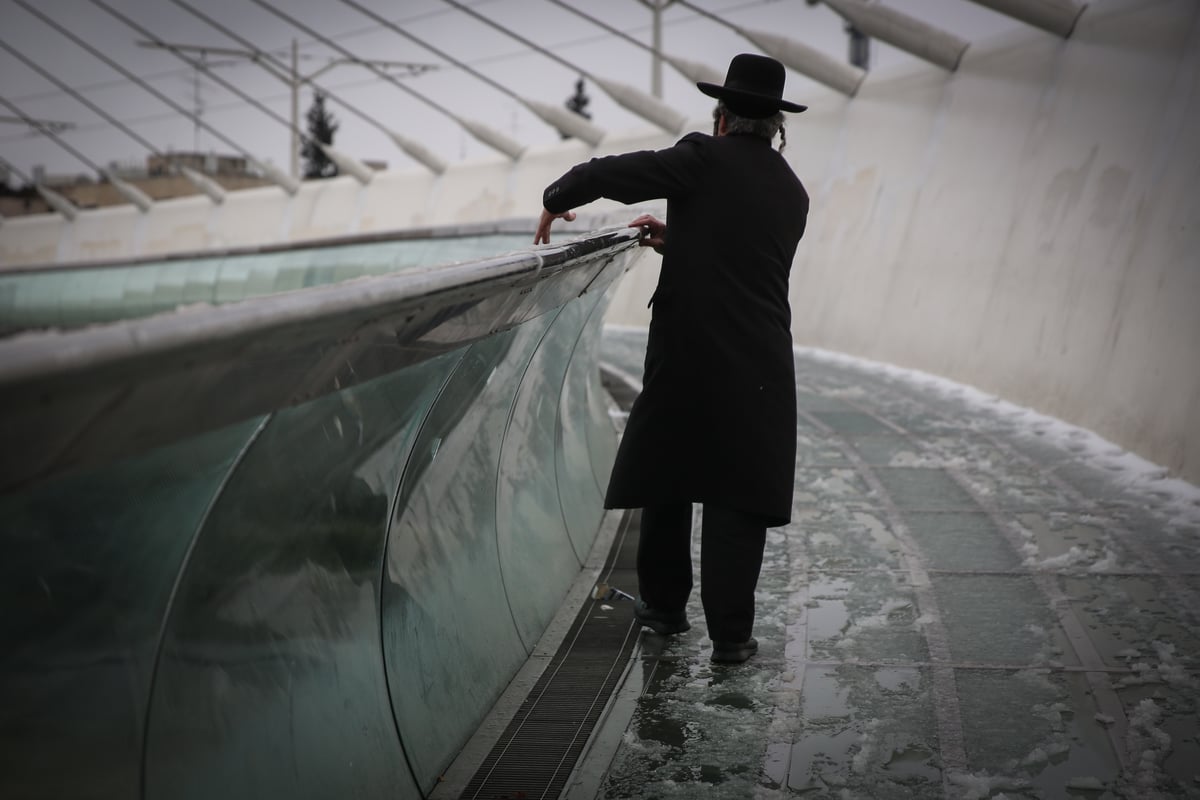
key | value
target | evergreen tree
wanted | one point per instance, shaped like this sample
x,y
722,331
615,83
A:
x,y
578,103
321,127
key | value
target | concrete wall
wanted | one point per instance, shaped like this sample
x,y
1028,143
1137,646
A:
x,y
1028,225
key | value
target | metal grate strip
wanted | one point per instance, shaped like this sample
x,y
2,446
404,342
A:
x,y
534,756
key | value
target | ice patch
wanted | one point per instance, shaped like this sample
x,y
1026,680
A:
x,y
1087,783
1070,558
977,786
1148,744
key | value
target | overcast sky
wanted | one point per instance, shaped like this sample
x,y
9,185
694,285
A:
x,y
527,72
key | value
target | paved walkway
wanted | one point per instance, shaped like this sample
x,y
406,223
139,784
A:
x,y
971,601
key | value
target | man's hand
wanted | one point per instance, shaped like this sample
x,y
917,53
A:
x,y
543,229
654,232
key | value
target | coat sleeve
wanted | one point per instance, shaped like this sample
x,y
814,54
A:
x,y
630,178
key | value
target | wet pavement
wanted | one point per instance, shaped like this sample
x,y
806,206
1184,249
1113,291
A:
x,y
971,600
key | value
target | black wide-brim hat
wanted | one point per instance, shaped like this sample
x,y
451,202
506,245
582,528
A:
x,y
753,87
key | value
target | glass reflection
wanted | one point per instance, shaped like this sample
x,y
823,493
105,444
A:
x,y
536,555
271,679
579,496
89,562
449,639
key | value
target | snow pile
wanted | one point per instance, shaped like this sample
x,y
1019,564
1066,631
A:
x,y
1168,670
977,786
1147,744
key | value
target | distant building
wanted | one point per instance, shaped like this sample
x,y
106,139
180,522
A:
x,y
207,163
160,178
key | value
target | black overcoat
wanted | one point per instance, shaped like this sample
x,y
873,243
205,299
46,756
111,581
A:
x,y
716,419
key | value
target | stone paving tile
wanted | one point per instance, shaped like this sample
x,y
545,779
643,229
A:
x,y
970,601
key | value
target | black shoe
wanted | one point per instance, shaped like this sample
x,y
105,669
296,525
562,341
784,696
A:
x,y
664,623
734,652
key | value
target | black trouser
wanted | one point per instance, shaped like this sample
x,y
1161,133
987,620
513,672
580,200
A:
x,y
731,553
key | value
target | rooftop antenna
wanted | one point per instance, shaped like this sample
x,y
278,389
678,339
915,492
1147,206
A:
x,y
291,76
345,162
128,191
201,182
656,8
55,200
277,176
55,125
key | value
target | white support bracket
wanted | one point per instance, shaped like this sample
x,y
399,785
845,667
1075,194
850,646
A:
x,y
59,203
130,192
845,78
1056,16
566,122
900,30
214,190
492,138
644,105
278,177
419,152
347,164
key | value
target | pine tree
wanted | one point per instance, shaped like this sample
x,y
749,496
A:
x,y
321,127
578,103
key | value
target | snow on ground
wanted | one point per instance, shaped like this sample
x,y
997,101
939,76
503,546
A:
x,y
1178,498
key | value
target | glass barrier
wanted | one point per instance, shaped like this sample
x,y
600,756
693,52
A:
x,y
322,599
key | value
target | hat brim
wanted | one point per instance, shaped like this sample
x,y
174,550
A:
x,y
754,98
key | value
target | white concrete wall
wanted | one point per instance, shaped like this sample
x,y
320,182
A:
x,y
1029,225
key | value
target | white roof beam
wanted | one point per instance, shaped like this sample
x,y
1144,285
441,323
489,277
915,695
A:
x,y
1056,16
59,203
900,30
214,190
812,63
130,192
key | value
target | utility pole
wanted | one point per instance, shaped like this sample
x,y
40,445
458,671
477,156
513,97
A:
x,y
294,163
656,8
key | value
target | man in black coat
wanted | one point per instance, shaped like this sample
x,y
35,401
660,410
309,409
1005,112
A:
x,y
716,420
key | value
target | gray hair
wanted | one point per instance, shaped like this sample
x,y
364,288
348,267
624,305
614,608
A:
x,y
765,128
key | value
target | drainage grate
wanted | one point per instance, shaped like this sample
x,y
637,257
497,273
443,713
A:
x,y
536,753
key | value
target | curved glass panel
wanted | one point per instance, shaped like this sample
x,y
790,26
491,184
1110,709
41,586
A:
x,y
449,639
325,604
89,562
536,554
581,503
601,436
271,680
